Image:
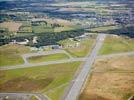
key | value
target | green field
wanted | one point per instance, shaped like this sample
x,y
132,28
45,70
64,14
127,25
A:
x,y
43,79
117,45
46,58
9,54
104,28
65,28
41,29
25,29
84,48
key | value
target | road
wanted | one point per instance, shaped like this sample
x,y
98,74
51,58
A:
x,y
23,96
80,79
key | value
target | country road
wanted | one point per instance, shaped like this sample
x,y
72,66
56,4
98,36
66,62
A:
x,y
80,79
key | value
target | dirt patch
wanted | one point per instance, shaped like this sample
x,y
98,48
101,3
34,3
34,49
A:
x,y
113,64
85,96
25,84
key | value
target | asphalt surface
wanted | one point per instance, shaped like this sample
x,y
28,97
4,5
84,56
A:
x,y
77,82
22,96
26,56
27,65
80,79
117,54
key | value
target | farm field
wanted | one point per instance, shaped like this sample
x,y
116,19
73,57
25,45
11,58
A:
x,y
105,28
9,54
84,48
41,29
117,44
65,28
111,79
11,26
38,79
46,58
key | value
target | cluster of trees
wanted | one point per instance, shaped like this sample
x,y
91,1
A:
x,y
53,38
127,31
43,38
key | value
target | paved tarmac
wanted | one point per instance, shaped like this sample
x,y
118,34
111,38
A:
x,y
74,91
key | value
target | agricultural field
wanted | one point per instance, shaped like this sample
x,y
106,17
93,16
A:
x,y
105,28
41,29
11,26
52,57
111,79
64,28
83,49
117,44
38,79
10,54
25,29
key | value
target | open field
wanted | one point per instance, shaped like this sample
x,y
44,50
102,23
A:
x,y
34,98
41,29
11,26
42,79
111,79
46,58
9,54
65,28
25,29
116,44
84,48
105,28
59,21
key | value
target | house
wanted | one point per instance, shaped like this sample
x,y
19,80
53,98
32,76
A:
x,y
35,40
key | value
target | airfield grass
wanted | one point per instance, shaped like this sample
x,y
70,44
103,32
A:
x,y
84,48
111,79
34,98
9,54
44,58
41,79
113,44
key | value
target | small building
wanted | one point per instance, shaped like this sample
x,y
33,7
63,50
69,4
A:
x,y
23,42
26,41
35,40
56,46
